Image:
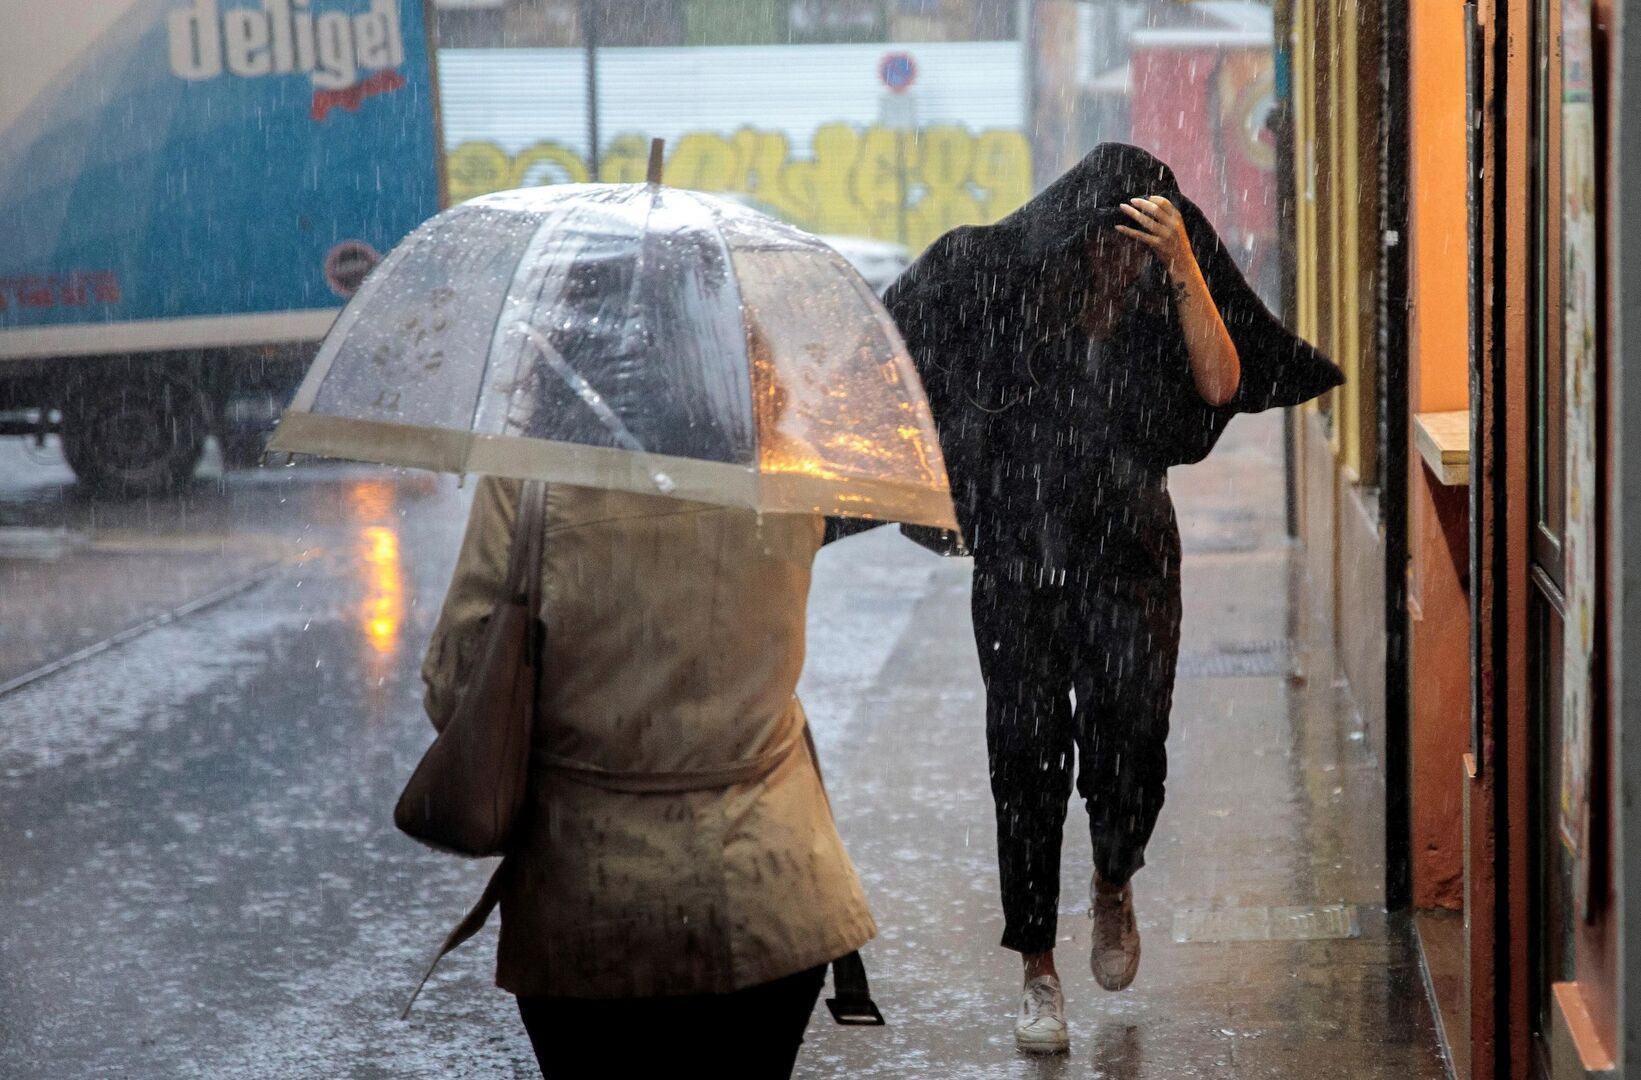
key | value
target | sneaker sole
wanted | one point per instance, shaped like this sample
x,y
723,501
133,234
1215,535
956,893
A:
x,y
1042,1044
1128,974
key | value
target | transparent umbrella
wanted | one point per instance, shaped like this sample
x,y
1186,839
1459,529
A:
x,y
633,337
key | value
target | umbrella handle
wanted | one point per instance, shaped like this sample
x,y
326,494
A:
x,y
657,146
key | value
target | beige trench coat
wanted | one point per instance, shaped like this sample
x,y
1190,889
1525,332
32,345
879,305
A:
x,y
677,839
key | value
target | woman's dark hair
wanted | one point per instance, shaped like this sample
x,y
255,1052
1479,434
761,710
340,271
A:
x,y
1088,198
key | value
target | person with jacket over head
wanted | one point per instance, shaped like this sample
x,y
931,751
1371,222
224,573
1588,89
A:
x,y
1072,352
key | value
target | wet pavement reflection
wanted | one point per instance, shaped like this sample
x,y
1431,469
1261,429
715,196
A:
x,y
1274,801
202,877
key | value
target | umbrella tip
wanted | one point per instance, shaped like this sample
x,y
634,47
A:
x,y
657,146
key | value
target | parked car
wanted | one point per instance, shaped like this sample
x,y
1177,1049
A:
x,y
878,261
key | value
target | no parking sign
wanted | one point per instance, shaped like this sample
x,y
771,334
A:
x,y
898,71
897,110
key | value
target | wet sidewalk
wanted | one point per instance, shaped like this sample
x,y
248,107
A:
x,y
203,879
1267,950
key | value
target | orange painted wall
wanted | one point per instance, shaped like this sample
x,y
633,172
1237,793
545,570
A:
x,y
1441,290
1437,515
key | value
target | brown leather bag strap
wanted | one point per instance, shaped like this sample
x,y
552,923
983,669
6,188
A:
x,y
853,1006
523,579
524,556
471,923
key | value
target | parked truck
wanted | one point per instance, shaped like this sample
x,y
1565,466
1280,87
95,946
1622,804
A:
x,y
189,190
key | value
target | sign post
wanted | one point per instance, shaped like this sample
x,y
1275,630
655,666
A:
x,y
897,112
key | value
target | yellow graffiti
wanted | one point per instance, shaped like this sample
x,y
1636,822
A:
x,y
871,182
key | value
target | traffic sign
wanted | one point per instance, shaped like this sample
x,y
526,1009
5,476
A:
x,y
898,71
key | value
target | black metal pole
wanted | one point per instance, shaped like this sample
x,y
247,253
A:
x,y
1281,124
1492,471
1028,41
589,36
900,169
1394,73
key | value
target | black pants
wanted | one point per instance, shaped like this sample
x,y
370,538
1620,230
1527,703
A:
x,y
753,1033
1106,630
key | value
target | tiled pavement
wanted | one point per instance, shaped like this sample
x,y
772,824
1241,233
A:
x,y
1274,802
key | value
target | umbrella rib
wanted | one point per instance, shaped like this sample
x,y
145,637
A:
x,y
628,323
531,252
734,276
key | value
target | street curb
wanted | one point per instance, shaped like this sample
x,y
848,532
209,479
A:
x,y
165,618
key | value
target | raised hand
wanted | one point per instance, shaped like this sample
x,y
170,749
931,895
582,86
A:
x,y
1215,367
1160,226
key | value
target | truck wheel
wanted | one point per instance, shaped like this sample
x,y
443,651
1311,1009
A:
x,y
245,423
138,438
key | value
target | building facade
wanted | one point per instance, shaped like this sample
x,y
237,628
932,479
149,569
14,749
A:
x,y
1458,230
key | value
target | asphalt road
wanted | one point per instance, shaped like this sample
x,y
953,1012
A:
x,y
201,874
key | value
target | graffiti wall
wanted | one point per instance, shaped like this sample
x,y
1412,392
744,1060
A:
x,y
851,182
795,128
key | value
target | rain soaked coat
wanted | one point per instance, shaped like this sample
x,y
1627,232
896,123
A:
x,y
990,312
677,838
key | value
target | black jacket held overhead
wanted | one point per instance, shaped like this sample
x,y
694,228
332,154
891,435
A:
x,y
990,315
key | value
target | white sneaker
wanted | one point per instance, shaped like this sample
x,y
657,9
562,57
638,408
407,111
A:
x,y
1041,1028
1114,955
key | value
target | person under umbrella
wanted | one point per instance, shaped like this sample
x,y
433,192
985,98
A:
x,y
697,387
1072,353
675,810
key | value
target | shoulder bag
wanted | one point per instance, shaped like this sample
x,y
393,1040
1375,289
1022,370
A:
x,y
468,789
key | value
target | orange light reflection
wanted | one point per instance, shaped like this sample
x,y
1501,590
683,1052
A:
x,y
382,610
381,607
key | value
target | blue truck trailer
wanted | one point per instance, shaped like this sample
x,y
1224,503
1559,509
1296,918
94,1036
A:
x,y
189,190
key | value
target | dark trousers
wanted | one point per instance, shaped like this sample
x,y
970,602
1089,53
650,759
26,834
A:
x,y
753,1033
1107,633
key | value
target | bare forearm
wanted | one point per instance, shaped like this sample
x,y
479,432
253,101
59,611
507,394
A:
x,y
1215,367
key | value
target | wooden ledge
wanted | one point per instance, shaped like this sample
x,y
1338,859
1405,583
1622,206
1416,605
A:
x,y
1443,439
1577,1051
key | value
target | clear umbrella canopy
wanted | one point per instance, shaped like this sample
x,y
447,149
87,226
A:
x,y
633,337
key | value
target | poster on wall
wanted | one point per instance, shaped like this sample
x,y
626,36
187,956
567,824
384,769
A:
x,y
1579,269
